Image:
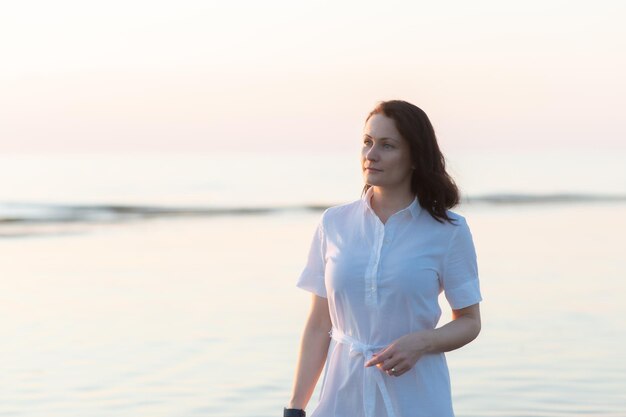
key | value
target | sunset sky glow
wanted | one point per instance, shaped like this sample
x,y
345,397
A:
x,y
205,76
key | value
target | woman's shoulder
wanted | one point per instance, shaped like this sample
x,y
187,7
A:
x,y
456,217
456,220
341,211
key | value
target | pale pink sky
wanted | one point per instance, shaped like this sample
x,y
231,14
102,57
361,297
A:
x,y
200,76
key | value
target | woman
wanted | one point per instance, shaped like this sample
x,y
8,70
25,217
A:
x,y
376,267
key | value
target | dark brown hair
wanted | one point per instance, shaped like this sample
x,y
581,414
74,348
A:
x,y
435,189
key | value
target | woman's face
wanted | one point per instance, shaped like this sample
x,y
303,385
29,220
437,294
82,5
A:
x,y
385,155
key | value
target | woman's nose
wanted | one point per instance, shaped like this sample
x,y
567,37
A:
x,y
371,154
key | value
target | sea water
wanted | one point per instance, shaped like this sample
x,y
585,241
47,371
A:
x,y
119,299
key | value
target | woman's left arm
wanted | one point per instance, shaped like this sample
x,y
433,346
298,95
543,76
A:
x,y
464,327
405,351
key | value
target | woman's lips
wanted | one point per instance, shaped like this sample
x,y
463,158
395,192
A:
x,y
373,170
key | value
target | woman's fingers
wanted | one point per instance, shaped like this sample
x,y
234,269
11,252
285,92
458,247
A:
x,y
380,357
396,366
399,355
396,370
387,360
391,363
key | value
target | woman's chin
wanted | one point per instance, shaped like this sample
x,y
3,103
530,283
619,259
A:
x,y
371,179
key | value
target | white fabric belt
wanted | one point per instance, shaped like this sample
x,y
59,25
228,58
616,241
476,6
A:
x,y
372,376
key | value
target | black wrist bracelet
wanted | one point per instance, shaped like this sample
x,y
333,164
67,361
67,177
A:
x,y
294,412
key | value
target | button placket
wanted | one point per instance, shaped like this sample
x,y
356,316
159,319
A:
x,y
385,235
371,279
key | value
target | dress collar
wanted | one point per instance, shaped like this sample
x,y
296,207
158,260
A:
x,y
414,208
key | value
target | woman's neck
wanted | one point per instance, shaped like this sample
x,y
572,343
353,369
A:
x,y
387,201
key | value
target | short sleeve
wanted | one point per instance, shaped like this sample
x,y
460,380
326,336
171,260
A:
x,y
460,269
312,276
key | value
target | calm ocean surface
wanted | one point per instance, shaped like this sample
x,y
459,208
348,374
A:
x,y
150,285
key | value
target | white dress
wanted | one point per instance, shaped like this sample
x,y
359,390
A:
x,y
382,282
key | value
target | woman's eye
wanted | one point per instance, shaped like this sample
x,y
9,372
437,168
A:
x,y
386,144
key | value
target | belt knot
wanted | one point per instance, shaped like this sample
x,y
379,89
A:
x,y
372,376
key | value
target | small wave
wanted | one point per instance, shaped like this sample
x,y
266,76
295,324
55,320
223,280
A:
x,y
544,198
19,213
31,213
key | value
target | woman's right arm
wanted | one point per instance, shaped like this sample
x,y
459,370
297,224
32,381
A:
x,y
313,351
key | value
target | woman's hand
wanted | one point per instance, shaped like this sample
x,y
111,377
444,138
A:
x,y
402,354
405,351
